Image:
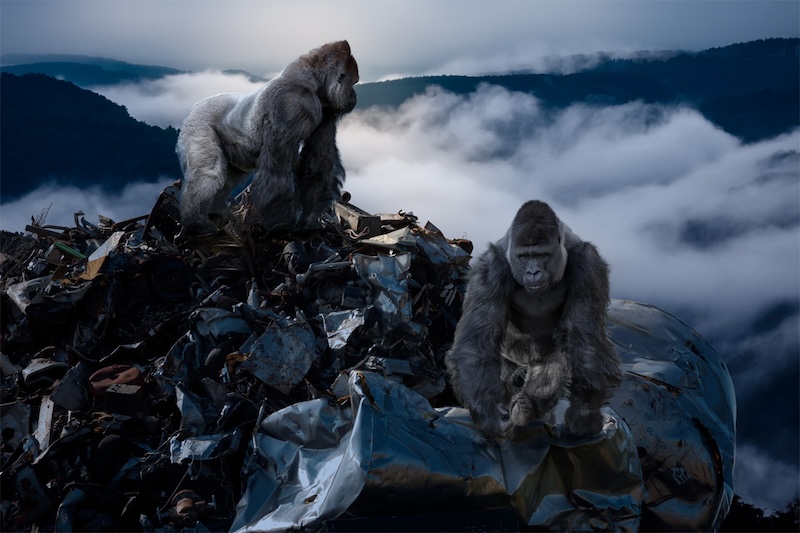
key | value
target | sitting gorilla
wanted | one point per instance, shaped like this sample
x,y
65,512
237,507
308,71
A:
x,y
533,329
285,133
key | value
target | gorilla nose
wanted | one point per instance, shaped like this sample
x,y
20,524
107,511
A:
x,y
534,278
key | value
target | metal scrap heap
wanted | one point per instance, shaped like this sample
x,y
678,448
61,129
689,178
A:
x,y
254,382
128,353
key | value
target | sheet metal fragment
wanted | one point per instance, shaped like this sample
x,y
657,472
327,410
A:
x,y
281,357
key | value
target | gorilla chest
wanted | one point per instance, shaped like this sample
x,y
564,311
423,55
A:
x,y
537,315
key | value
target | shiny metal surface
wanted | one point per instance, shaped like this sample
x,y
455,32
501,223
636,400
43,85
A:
x,y
664,459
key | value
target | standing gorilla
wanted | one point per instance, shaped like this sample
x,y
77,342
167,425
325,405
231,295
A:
x,y
533,329
285,132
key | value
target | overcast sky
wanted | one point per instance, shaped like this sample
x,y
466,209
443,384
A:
x,y
629,178
387,37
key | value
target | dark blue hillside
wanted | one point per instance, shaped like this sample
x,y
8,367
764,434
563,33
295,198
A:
x,y
84,71
54,129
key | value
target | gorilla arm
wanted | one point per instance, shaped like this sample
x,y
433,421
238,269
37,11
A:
x,y
293,113
581,334
474,361
320,174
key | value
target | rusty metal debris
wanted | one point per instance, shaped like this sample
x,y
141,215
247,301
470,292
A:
x,y
296,381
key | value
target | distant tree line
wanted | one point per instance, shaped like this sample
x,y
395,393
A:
x,y
84,71
54,129
748,518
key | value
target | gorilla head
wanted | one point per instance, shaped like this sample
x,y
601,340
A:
x,y
536,251
337,73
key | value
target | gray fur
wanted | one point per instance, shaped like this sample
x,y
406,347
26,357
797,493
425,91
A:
x,y
533,329
228,136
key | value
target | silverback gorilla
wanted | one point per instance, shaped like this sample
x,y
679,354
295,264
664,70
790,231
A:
x,y
533,329
284,133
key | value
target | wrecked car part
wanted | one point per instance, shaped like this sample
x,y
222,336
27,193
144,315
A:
x,y
188,505
357,222
42,372
387,275
321,267
170,279
71,392
14,423
101,380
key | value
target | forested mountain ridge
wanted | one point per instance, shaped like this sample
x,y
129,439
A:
x,y
54,129
84,71
751,90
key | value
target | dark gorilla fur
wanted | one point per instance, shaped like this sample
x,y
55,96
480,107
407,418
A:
x,y
533,329
228,136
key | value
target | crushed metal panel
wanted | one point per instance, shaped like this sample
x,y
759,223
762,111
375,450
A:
x,y
281,357
388,277
340,325
678,399
399,454
186,358
45,423
402,238
51,298
95,261
71,393
195,411
203,447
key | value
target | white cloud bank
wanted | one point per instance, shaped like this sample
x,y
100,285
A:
x,y
627,178
61,203
166,101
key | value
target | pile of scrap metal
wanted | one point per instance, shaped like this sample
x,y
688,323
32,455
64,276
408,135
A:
x,y
135,368
263,382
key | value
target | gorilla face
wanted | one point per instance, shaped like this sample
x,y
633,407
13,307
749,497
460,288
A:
x,y
537,267
536,251
345,93
341,74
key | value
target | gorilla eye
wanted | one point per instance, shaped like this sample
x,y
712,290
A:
x,y
341,77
